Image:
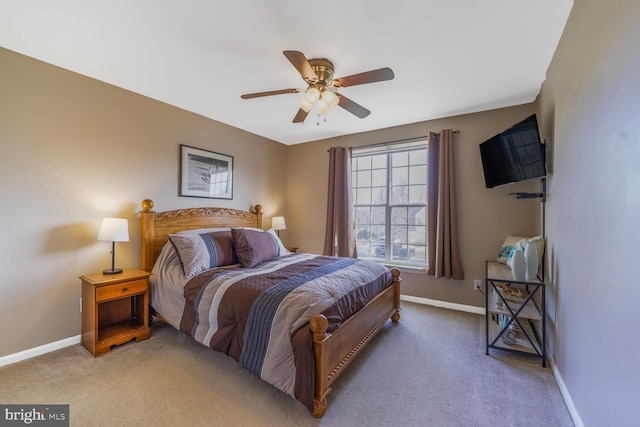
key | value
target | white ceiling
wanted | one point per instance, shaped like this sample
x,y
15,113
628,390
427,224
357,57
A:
x,y
449,56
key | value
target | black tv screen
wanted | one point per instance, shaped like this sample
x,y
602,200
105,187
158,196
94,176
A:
x,y
513,155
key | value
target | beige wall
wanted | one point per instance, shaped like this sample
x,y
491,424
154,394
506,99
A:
x,y
74,150
486,216
590,102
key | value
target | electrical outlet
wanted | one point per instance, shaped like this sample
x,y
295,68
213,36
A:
x,y
477,285
80,305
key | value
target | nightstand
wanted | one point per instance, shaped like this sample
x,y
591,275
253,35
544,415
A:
x,y
115,309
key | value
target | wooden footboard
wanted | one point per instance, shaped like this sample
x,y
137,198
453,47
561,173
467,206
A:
x,y
333,352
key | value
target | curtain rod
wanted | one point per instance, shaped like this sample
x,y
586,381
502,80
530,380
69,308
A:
x,y
397,141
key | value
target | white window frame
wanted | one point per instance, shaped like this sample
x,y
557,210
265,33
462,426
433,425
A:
x,y
404,252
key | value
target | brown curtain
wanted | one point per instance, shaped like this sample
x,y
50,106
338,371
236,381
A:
x,y
444,253
339,238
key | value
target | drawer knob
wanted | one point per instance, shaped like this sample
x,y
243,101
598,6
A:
x,y
124,289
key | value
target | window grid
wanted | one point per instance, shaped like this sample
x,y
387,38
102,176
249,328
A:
x,y
397,209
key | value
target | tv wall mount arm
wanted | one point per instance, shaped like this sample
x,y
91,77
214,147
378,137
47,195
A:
x,y
542,195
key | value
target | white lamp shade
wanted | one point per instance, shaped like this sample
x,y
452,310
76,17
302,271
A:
x,y
277,223
330,98
306,106
312,95
114,230
323,107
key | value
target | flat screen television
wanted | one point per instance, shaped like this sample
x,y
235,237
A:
x,y
513,155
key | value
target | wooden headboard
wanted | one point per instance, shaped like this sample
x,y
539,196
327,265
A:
x,y
156,226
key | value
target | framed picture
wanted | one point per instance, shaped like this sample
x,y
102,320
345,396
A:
x,y
205,173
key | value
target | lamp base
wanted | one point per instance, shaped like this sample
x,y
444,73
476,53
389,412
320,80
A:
x,y
112,271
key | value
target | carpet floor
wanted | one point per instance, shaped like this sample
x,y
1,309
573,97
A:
x,y
430,369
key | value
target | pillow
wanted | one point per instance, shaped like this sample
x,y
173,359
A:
x,y
254,247
281,246
199,252
198,231
507,247
522,243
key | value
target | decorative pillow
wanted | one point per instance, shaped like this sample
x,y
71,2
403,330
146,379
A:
x,y
281,246
254,247
507,247
199,252
522,243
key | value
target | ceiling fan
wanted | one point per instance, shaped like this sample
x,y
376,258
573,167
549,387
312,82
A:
x,y
322,87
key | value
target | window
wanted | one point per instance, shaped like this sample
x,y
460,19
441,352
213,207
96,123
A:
x,y
390,203
218,179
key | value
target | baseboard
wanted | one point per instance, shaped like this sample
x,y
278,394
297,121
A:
x,y
565,394
37,351
444,304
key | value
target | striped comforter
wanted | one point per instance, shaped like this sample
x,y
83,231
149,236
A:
x,y
253,314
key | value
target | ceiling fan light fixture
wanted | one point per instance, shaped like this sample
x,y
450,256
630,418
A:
x,y
306,106
330,98
323,106
312,95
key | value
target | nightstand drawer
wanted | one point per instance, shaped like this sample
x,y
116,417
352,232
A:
x,y
121,290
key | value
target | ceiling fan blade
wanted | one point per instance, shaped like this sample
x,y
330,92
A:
x,y
273,92
372,76
302,65
353,107
300,116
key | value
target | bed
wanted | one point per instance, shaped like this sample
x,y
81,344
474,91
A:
x,y
319,345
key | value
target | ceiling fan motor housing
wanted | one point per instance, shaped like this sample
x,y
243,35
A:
x,y
323,69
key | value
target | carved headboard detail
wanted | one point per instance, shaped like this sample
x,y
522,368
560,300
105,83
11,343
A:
x,y
156,226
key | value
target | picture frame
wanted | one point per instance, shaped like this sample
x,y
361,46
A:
x,y
205,173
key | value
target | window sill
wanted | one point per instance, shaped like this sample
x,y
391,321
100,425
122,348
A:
x,y
407,268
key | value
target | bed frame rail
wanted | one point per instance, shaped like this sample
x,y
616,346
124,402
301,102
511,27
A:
x,y
333,352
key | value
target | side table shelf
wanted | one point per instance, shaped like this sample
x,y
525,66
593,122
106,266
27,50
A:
x,y
515,313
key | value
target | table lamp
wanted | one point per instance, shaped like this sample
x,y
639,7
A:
x,y
114,230
277,223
